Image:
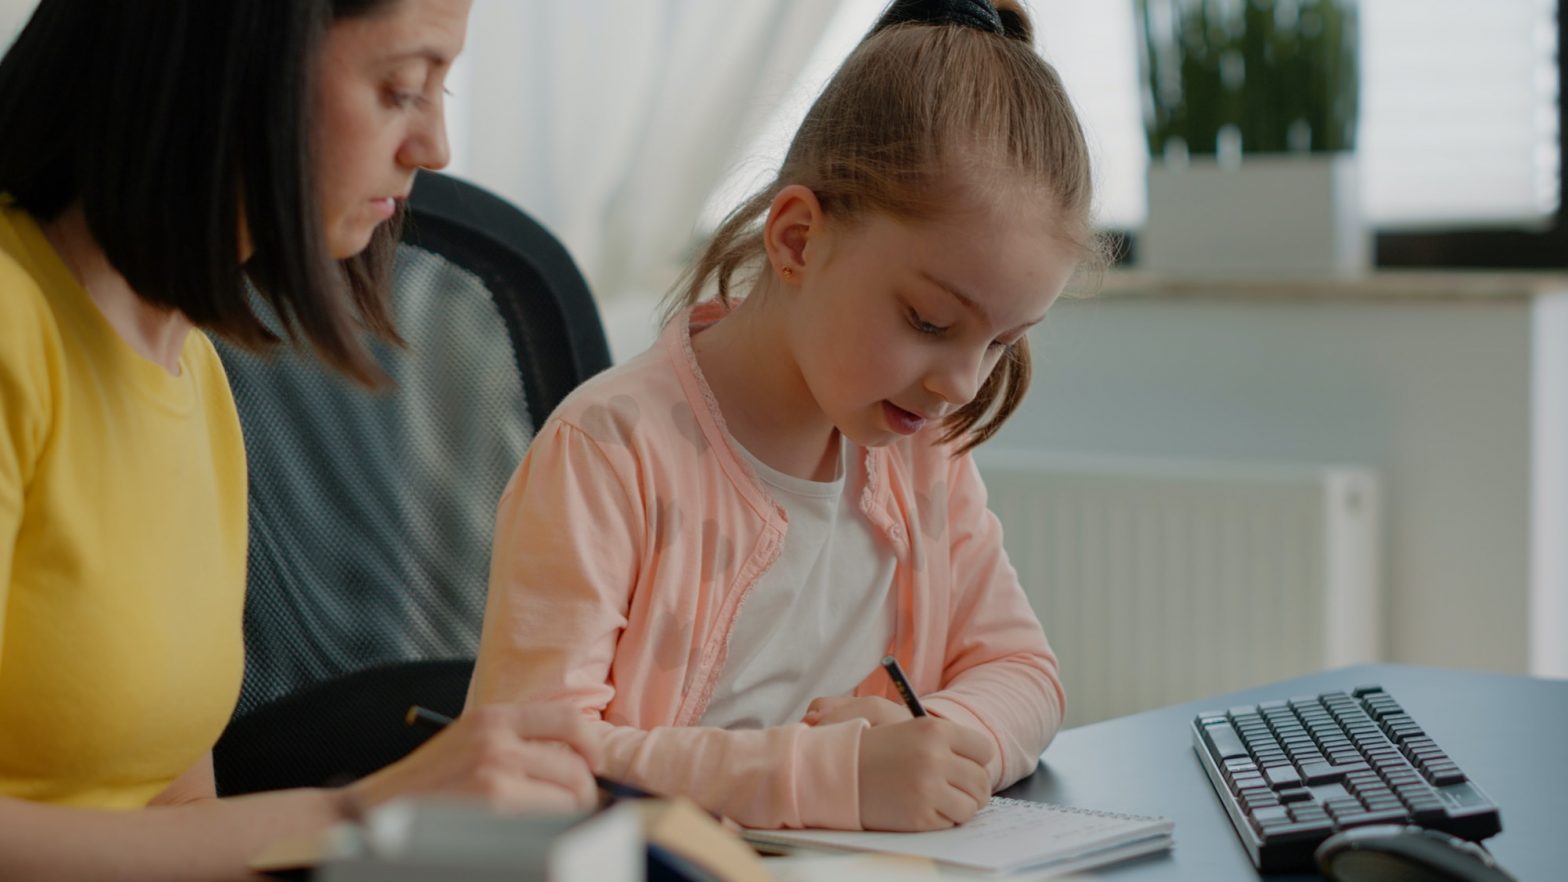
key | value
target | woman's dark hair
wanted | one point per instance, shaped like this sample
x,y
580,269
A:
x,y
936,88
171,123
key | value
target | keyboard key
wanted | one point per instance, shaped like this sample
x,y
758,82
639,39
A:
x,y
1306,811
1323,773
1255,795
1344,805
1275,815
1283,777
1298,831
1368,794
1389,763
1362,819
1223,741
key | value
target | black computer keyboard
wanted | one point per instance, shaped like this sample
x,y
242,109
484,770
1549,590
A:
x,y
1292,773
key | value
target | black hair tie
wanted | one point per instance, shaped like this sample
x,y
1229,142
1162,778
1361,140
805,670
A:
x,y
978,14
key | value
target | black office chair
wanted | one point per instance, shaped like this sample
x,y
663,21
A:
x,y
371,514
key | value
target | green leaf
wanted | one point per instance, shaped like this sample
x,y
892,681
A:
x,y
1285,73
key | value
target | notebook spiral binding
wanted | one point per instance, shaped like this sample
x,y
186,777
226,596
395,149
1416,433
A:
x,y
1053,807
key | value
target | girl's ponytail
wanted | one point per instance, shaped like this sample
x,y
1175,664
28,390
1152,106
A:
x,y
979,14
1015,20
1006,17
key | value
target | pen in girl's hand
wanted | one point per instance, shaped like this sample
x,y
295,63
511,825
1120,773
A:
x,y
902,684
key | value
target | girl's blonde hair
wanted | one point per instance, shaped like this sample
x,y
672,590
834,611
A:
x,y
935,89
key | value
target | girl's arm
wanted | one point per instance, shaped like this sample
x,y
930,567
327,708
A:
x,y
784,776
999,674
570,535
514,758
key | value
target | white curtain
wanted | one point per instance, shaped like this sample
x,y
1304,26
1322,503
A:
x,y
13,14
613,121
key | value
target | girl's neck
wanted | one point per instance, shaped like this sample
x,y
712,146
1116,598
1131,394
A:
x,y
766,404
157,333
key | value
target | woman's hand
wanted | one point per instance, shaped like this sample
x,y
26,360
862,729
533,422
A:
x,y
922,774
875,709
514,757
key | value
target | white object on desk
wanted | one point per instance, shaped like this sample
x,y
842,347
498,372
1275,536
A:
x,y
1007,836
405,841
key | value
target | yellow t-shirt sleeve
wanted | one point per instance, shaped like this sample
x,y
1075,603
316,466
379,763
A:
x,y
29,369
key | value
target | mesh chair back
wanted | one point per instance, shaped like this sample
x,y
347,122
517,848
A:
x,y
371,514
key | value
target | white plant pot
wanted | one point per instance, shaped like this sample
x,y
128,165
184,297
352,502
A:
x,y
1295,216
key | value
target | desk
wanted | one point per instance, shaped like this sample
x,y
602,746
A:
x,y
1144,763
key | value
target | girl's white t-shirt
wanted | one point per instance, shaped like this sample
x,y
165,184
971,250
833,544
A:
x,y
819,620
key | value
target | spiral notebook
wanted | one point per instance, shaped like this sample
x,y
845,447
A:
x,y
1007,836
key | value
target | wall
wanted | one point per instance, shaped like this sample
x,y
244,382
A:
x,y
1434,393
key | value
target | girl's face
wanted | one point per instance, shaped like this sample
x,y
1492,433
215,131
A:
x,y
896,324
382,112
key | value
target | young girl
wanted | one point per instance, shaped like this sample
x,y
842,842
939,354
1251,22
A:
x,y
709,548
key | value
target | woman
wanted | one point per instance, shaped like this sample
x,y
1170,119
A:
x,y
154,163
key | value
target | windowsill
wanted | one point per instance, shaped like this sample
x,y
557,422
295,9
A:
x,y
1401,285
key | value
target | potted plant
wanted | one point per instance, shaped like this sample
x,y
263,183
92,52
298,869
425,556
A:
x,y
1250,110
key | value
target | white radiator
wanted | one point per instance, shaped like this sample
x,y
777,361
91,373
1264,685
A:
x,y
1160,581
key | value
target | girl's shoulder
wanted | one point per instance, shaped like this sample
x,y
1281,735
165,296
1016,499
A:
x,y
623,403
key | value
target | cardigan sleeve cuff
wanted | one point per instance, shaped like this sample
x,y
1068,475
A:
x,y
828,783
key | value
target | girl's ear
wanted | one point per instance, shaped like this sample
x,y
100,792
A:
x,y
793,219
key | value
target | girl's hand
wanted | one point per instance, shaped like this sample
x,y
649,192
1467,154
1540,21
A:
x,y
922,774
513,757
873,708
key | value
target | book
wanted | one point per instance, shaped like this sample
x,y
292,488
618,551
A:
x,y
1007,836
681,828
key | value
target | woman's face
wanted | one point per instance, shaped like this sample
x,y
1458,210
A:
x,y
382,112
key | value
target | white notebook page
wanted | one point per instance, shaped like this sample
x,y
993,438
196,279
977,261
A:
x,y
1006,835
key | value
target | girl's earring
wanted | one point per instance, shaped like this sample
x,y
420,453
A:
x,y
788,273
